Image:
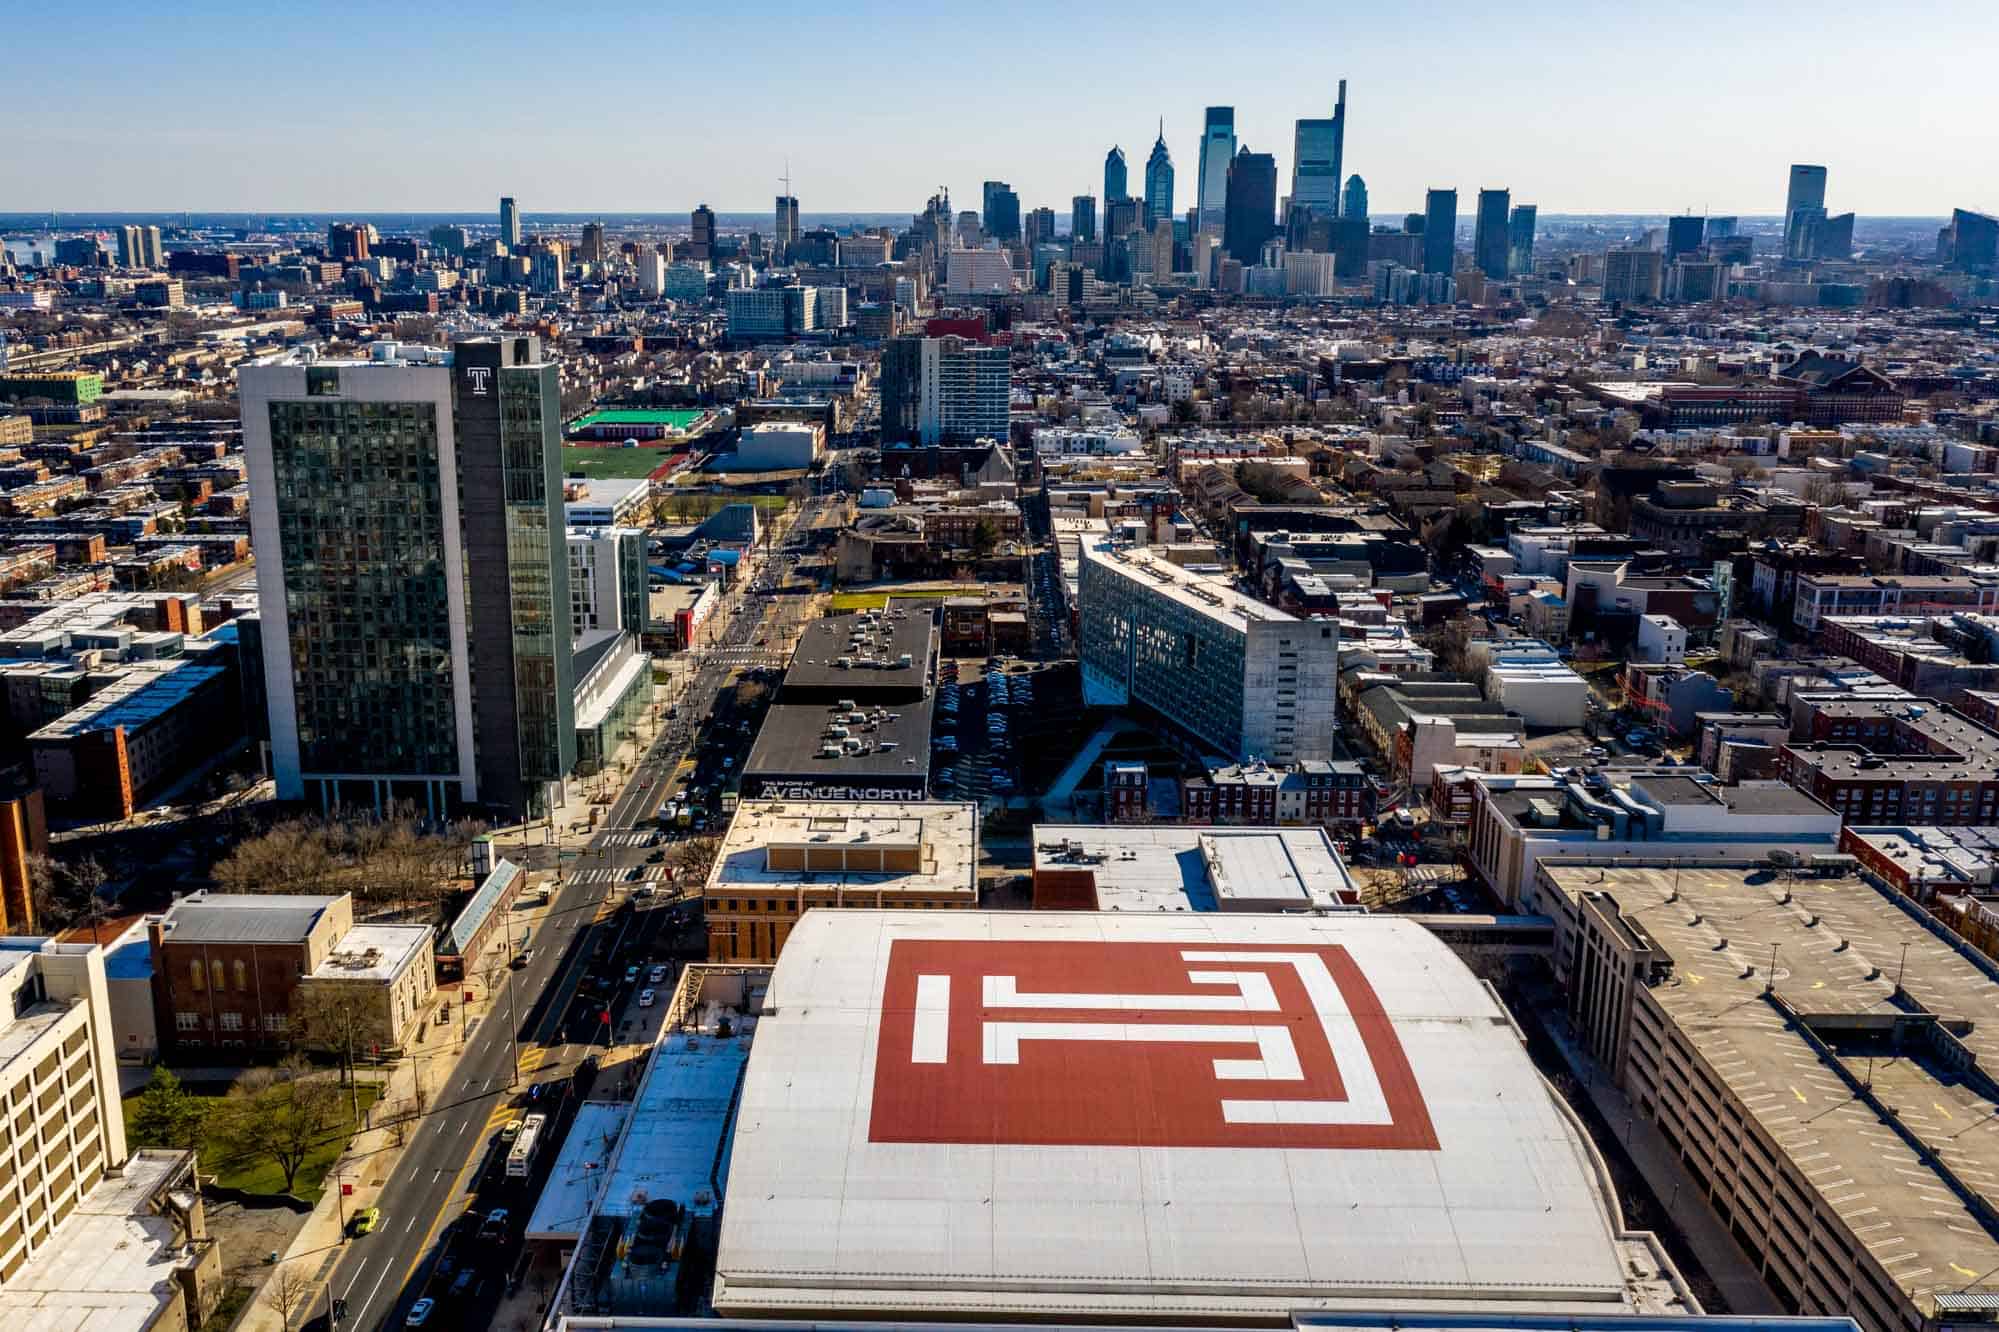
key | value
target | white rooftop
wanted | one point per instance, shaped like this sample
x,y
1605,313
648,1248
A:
x,y
579,1172
373,952
1077,1114
679,1115
1169,867
108,1267
1207,596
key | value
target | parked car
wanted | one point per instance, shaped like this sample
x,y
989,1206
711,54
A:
x,y
656,975
631,975
646,998
364,1221
419,1313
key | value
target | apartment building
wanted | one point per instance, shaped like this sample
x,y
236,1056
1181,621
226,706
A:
x,y
1815,1054
92,1235
1822,596
1231,672
1893,760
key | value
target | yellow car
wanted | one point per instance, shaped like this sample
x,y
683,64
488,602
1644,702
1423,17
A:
x,y
365,1221
511,1131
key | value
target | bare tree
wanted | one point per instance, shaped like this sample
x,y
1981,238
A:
x,y
286,1292
277,1114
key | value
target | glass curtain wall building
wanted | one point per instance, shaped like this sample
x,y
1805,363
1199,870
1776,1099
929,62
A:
x,y
411,576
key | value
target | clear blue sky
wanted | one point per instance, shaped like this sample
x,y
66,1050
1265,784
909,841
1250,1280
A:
x,y
1576,106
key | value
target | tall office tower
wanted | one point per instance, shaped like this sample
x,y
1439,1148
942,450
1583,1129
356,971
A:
x,y
1162,248
1122,216
1002,212
1804,206
1969,242
1719,228
652,275
1834,237
1317,148
1488,245
784,231
1633,276
1520,240
970,232
1683,236
946,390
450,239
510,222
1212,167
701,246
412,577
1082,219
1117,180
1040,227
1159,182
1249,212
1440,231
1353,201
347,241
591,251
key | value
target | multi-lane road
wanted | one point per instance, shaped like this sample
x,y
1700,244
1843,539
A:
x,y
444,1166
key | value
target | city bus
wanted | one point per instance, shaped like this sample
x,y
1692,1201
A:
x,y
520,1157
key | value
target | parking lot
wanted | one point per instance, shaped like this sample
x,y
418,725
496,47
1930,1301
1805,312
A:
x,y
998,721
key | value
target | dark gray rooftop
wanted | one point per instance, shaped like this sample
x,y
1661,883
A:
x,y
245,918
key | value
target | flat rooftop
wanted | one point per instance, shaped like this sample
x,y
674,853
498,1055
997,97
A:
x,y
374,952
1169,867
109,1266
677,1122
1839,944
577,1178
896,739
1948,859
1139,1146
873,644
244,917
1210,597
833,840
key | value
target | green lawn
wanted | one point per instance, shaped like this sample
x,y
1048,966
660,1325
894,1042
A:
x,y
612,463
846,601
263,1176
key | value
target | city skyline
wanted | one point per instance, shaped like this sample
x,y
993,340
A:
x,y
1591,146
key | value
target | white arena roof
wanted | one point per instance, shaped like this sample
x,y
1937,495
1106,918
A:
x,y
1153,1117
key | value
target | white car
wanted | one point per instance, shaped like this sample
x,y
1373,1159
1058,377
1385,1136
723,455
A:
x,y
646,998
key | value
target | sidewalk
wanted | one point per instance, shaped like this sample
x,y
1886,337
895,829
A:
x,y
1713,1247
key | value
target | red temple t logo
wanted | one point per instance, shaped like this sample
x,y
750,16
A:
x,y
1139,1045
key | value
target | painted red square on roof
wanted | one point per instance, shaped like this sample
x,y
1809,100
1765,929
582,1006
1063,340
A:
x,y
1139,1045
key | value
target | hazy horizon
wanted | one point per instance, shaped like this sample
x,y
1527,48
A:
x,y
1579,111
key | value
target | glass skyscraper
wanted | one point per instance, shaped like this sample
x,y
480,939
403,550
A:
x,y
1117,181
1440,231
1159,182
1212,177
412,580
1489,233
1316,156
1520,240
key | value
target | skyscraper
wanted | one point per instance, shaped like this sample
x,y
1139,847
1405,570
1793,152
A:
x,y
510,222
1440,231
1116,179
1159,181
1001,215
591,251
1804,205
412,576
1353,202
701,245
1488,244
1212,174
1249,211
1683,236
784,234
1040,227
1316,156
1082,218
945,390
1520,240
